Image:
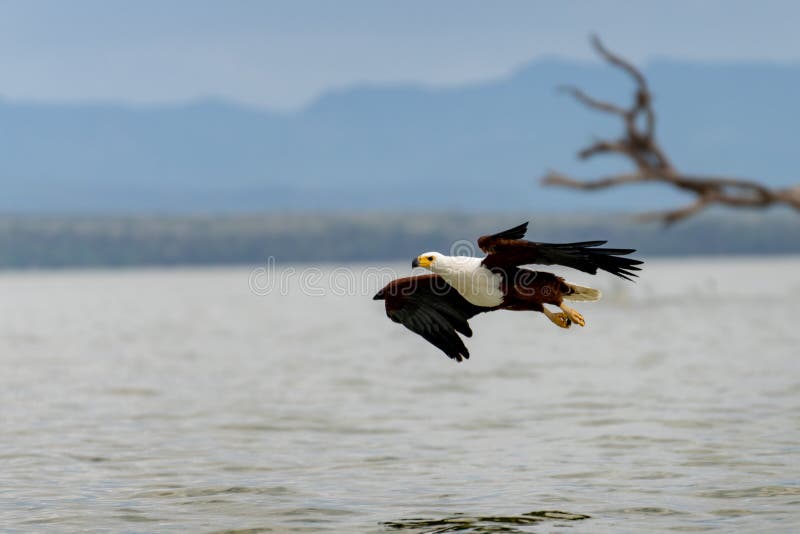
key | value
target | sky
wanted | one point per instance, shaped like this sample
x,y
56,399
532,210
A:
x,y
283,54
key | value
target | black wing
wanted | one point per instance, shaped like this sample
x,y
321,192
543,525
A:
x,y
432,308
508,249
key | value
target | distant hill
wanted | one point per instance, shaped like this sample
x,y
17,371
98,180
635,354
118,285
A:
x,y
473,147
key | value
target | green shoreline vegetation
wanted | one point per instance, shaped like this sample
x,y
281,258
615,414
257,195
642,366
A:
x,y
51,241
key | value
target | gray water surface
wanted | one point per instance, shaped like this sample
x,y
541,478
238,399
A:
x,y
180,400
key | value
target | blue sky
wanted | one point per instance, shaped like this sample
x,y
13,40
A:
x,y
282,54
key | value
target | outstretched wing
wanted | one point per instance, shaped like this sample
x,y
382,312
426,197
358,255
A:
x,y
432,308
508,249
488,242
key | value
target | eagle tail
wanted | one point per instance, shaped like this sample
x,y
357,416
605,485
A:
x,y
580,293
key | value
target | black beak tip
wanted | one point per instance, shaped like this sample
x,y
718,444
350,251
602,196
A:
x,y
415,262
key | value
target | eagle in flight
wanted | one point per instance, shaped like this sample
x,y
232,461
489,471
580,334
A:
x,y
438,306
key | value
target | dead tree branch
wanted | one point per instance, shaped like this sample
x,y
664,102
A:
x,y
638,144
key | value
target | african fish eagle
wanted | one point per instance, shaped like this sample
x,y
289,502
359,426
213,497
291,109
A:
x,y
438,306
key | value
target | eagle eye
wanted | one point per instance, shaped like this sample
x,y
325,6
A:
x,y
430,258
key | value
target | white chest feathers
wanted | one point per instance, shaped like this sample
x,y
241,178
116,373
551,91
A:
x,y
473,281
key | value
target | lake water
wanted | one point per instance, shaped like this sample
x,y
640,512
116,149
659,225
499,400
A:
x,y
204,401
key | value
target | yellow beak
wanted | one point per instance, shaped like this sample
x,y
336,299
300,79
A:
x,y
421,261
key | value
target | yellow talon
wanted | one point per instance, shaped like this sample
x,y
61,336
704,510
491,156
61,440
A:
x,y
576,317
559,319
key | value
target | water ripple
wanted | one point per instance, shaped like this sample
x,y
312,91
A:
x,y
462,522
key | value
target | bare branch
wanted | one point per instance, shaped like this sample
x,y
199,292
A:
x,y
619,62
643,150
554,178
790,195
592,102
604,147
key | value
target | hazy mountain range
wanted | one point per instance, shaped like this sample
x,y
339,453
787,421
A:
x,y
394,148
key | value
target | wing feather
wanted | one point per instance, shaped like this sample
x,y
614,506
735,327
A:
x,y
433,309
486,243
504,252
